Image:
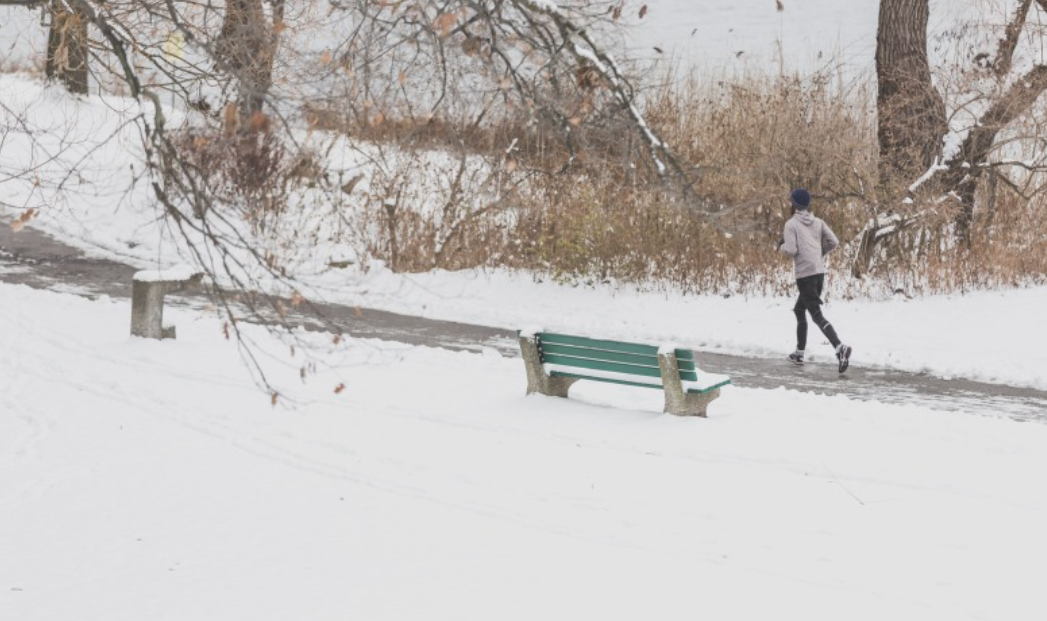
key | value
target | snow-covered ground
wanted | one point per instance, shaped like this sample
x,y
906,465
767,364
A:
x,y
155,480
151,480
992,336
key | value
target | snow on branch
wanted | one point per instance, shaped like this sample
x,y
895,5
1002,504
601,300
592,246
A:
x,y
586,51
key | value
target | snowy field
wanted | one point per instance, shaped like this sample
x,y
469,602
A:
x,y
144,480
151,480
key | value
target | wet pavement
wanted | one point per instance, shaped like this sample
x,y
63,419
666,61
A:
x,y
35,259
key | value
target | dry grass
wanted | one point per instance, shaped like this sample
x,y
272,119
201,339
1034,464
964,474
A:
x,y
608,219
750,139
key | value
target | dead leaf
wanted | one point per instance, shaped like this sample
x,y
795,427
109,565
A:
x,y
643,11
781,7
348,187
260,121
339,388
22,220
230,119
296,299
276,397
445,23
471,46
325,58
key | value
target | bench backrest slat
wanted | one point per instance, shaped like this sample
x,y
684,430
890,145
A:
x,y
599,354
603,365
581,341
684,356
612,356
563,350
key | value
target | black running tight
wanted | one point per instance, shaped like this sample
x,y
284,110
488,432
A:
x,y
810,302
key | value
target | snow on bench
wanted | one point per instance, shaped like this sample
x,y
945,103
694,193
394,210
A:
x,y
147,299
555,361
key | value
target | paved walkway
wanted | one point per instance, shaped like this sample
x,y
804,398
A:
x,y
37,260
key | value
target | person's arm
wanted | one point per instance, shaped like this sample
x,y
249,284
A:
x,y
829,241
789,245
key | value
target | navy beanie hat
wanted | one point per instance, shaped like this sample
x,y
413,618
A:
x,y
801,198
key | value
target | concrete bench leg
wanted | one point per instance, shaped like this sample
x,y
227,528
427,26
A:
x,y
676,400
538,381
147,306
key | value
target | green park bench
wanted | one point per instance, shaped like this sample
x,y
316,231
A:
x,y
556,361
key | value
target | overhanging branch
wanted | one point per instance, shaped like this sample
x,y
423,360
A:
x,y
586,51
1009,43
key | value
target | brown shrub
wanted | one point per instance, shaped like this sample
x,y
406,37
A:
x,y
749,140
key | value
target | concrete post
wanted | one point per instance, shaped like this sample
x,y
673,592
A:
x,y
538,381
147,302
676,400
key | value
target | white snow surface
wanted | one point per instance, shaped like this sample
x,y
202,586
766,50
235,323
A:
x,y
175,273
145,479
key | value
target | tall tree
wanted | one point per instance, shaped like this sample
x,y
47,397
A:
x,y
246,49
66,43
67,48
918,150
911,112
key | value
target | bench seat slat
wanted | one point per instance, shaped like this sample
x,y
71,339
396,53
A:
x,y
718,381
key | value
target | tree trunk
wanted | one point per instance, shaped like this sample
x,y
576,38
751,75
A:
x,y
911,113
912,119
966,168
67,48
246,48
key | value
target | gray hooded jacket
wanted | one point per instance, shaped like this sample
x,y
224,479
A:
x,y
807,240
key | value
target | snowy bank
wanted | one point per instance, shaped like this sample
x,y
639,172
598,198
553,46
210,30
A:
x,y
151,480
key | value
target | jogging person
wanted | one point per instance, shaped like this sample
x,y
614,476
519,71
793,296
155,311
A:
x,y
808,240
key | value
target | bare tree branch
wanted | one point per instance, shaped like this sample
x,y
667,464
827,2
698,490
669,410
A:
x,y
1007,46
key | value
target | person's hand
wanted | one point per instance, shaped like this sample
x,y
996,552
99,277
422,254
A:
x,y
780,243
